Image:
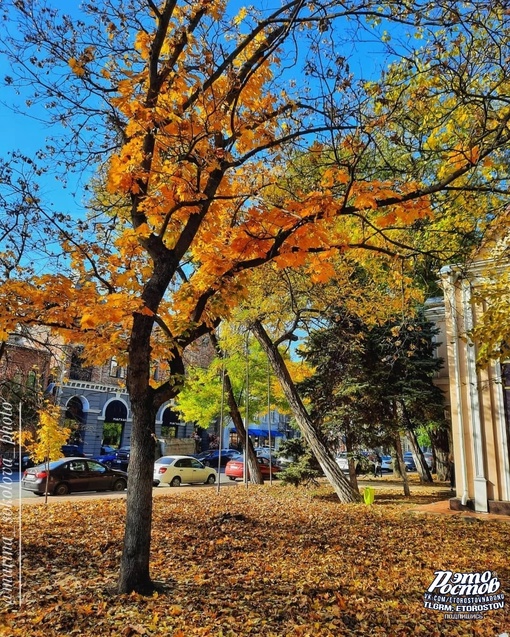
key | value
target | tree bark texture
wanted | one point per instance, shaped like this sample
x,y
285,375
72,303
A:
x,y
312,435
421,463
134,570
440,438
401,464
353,477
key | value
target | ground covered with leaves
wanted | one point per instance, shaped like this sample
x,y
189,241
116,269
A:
x,y
273,561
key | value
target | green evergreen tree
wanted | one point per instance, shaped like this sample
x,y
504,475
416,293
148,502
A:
x,y
372,383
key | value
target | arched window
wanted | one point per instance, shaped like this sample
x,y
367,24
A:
x,y
31,379
170,427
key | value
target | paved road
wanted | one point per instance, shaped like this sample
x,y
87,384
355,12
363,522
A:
x,y
11,490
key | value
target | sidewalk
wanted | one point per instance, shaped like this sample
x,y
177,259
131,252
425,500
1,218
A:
x,y
440,507
443,508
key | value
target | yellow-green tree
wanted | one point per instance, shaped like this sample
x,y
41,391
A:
x,y
46,444
50,436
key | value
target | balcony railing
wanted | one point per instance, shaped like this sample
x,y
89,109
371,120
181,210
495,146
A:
x,y
91,386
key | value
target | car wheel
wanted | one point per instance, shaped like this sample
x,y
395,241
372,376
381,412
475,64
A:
x,y
61,489
155,483
211,479
232,478
176,482
119,485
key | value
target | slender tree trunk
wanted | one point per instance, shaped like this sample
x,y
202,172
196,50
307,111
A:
x,y
353,478
255,475
312,435
250,456
395,464
421,463
401,464
134,568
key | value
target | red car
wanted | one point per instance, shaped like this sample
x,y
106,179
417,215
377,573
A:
x,y
235,468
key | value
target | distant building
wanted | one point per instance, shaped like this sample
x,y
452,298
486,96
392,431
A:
x,y
97,403
94,398
260,433
26,361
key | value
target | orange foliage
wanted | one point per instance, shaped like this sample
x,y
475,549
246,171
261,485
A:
x,y
200,168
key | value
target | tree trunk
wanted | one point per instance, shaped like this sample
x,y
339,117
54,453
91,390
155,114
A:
x,y
421,464
441,445
395,464
255,475
353,478
443,465
134,568
312,435
250,456
401,465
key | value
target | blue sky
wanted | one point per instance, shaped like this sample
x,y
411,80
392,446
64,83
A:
x,y
28,133
25,130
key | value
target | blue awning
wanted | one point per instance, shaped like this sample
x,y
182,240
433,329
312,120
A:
x,y
262,433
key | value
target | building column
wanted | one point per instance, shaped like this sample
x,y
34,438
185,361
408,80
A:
x,y
480,481
502,426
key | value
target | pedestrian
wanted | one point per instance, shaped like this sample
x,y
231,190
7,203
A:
x,y
377,462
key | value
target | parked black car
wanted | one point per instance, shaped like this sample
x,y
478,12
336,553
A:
x,y
121,460
72,451
73,474
210,458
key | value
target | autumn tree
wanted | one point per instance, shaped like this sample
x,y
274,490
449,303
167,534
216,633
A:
x,y
491,294
190,113
46,443
285,303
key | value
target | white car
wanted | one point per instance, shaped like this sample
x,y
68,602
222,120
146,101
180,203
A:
x,y
342,461
429,459
177,470
386,463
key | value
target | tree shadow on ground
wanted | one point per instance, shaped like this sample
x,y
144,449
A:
x,y
390,492
382,498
